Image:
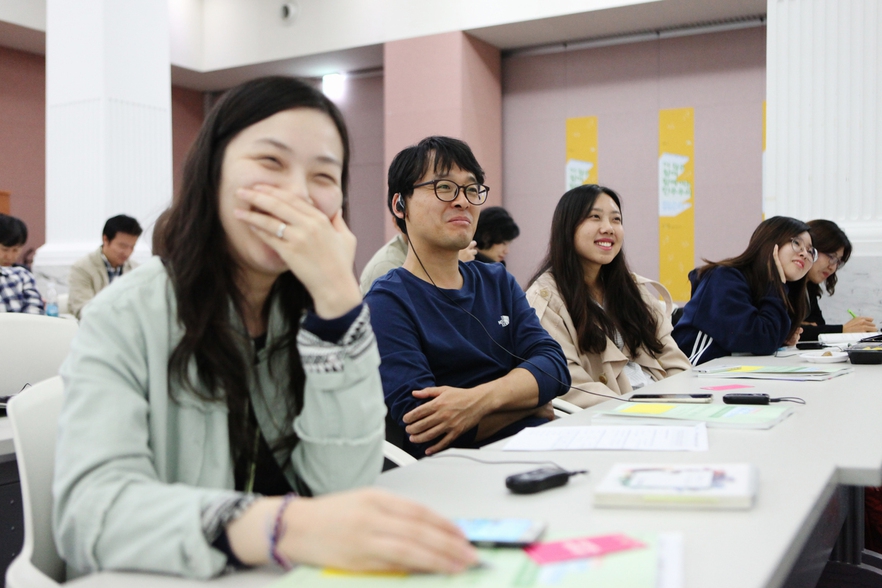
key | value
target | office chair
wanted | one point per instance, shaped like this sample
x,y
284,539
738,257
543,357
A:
x,y
34,416
32,348
562,408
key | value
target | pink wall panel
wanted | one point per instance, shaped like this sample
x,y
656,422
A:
x,y
482,110
23,138
423,87
721,75
362,107
187,115
447,84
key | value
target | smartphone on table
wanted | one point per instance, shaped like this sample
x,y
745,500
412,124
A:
x,y
690,398
501,532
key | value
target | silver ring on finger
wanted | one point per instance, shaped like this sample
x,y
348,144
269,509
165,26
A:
x,y
280,232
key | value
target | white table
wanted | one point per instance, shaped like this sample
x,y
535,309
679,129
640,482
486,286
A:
x,y
804,464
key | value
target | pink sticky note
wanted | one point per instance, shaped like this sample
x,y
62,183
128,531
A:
x,y
580,548
727,387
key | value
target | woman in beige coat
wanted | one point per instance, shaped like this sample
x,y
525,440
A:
x,y
613,329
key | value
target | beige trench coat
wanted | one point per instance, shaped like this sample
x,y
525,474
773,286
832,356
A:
x,y
604,373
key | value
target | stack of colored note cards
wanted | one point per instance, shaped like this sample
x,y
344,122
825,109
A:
x,y
639,560
715,415
678,486
800,373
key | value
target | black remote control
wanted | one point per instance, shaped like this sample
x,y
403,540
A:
x,y
537,480
746,398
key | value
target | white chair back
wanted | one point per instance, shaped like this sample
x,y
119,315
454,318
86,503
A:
x,y
396,455
34,416
32,348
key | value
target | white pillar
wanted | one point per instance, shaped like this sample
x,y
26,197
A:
x,y
824,132
108,123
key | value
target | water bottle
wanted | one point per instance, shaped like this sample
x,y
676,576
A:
x,y
51,300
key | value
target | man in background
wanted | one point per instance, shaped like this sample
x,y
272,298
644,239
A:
x,y
18,290
96,271
393,254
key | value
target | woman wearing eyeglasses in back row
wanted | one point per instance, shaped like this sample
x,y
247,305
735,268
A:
x,y
834,249
753,303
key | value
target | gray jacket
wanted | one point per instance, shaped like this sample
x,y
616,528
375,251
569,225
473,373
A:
x,y
137,473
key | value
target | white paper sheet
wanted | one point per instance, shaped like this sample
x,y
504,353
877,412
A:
x,y
670,560
621,438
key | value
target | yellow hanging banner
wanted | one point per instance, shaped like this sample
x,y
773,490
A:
x,y
676,214
767,199
581,165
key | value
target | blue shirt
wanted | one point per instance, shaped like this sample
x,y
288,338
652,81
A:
x,y
426,338
18,291
723,318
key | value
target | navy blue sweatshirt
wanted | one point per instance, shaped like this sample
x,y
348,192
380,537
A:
x,y
722,318
425,340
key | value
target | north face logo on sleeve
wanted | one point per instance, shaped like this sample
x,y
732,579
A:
x,y
503,321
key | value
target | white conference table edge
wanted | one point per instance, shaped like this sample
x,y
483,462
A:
x,y
860,473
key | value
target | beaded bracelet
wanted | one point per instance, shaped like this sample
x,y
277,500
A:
x,y
277,533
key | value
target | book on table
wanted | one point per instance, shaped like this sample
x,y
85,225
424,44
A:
x,y
738,416
724,486
800,373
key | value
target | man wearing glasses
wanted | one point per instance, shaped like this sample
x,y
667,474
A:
x,y
464,359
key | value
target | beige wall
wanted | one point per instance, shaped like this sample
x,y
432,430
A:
x,y
721,75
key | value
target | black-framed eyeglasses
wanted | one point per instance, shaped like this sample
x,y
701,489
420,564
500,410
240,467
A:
x,y
447,191
799,247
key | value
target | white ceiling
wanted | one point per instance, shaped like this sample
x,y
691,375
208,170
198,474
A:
x,y
593,24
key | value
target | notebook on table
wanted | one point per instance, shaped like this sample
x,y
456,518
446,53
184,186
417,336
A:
x,y
699,486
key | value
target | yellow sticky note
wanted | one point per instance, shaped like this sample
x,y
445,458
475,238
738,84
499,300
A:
x,y
390,575
649,408
743,368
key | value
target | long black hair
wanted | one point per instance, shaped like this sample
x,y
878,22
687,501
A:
x,y
626,311
193,246
759,268
828,238
495,226
13,231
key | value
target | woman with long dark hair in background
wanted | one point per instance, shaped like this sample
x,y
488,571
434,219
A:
x,y
211,393
834,249
753,303
613,331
